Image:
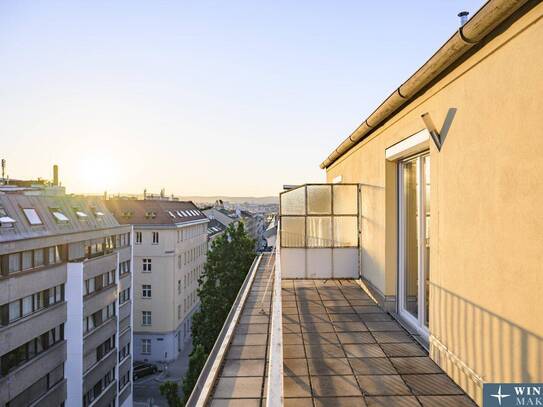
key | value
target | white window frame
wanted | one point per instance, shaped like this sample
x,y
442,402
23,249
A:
x,y
146,346
146,291
417,323
146,318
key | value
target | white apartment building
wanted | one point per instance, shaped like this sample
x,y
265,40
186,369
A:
x,y
170,247
65,309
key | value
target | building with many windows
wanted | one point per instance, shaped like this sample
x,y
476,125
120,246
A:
x,y
65,308
170,246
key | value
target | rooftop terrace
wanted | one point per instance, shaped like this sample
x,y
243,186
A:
x,y
339,349
305,332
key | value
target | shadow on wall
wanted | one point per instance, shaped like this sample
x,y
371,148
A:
x,y
447,123
496,349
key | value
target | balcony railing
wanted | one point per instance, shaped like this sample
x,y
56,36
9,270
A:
x,y
319,231
208,376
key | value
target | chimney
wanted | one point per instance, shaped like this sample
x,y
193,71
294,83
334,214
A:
x,y
55,175
463,17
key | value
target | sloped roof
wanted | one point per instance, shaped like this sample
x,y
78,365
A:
x,y
214,227
93,215
154,212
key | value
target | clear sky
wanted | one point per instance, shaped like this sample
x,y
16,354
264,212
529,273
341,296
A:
x,y
200,97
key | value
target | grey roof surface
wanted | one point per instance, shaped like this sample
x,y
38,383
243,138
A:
x,y
140,209
13,204
214,227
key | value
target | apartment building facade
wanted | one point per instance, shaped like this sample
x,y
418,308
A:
x,y
170,246
451,179
65,333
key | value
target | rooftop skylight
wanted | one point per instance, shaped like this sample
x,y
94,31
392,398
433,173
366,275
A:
x,y
5,220
32,216
59,215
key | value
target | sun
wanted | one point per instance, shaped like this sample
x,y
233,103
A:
x,y
98,174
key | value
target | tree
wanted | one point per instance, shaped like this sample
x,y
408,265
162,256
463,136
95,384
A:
x,y
228,263
197,360
169,390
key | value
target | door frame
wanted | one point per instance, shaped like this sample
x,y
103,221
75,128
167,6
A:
x,y
415,323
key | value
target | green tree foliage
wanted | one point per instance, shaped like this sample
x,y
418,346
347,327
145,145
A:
x,y
228,263
197,361
169,390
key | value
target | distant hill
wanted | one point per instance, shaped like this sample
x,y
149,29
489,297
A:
x,y
264,200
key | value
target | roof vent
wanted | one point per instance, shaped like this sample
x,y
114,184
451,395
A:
x,y
463,17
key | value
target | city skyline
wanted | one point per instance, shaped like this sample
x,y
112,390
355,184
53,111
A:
x,y
199,99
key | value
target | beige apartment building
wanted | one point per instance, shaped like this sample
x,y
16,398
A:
x,y
170,246
65,281
450,232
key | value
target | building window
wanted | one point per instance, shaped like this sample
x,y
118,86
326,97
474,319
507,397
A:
x,y
179,311
98,318
178,286
8,222
124,352
146,346
138,238
59,216
146,290
124,296
20,308
124,268
32,216
30,259
146,265
146,318
124,380
39,388
98,388
104,348
155,237
30,350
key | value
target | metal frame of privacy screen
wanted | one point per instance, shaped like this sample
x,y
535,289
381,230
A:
x,y
319,226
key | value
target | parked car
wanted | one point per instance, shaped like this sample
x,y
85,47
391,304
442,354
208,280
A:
x,y
141,369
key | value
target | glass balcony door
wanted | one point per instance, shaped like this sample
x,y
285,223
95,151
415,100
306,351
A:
x,y
414,234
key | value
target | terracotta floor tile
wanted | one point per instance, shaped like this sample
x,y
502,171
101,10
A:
x,y
365,350
329,367
335,386
238,387
391,385
432,384
296,386
415,365
372,366
392,401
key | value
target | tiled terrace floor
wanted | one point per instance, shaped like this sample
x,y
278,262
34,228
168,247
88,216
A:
x,y
340,349
241,380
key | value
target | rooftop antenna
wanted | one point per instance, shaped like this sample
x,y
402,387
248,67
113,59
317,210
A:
x,y
463,17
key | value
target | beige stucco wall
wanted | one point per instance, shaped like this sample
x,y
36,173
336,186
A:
x,y
164,276
486,198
